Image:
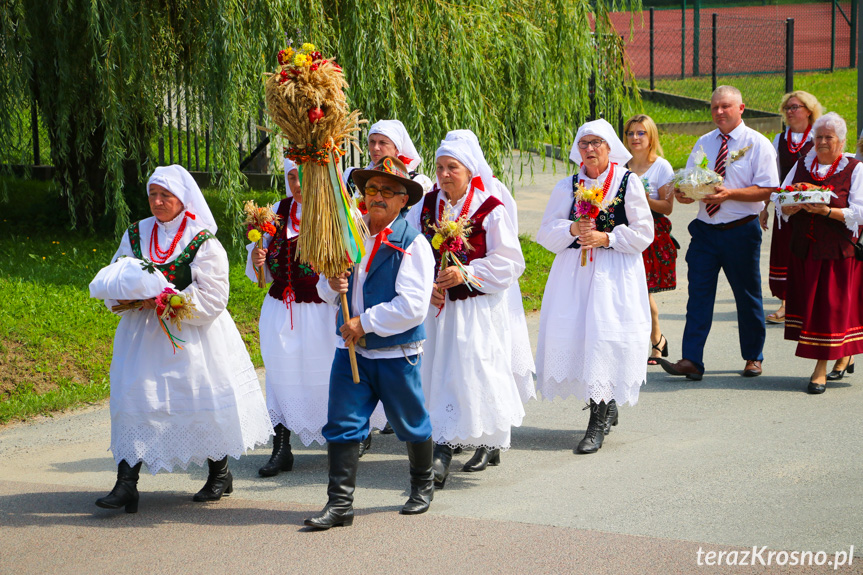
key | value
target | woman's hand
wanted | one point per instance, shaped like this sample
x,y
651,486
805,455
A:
x,y
450,277
585,225
817,209
339,284
438,296
593,239
790,210
148,303
259,256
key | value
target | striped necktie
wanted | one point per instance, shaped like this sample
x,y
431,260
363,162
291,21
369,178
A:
x,y
719,168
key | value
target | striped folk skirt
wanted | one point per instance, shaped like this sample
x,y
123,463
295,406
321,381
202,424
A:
x,y
823,311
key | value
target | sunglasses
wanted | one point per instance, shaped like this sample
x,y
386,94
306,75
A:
x,y
372,191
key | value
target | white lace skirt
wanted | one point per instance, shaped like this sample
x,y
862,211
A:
x,y
169,410
594,327
298,363
468,382
523,367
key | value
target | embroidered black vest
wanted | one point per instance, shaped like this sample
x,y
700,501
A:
x,y
178,271
609,217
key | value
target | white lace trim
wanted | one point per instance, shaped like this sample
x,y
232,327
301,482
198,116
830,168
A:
x,y
567,372
168,444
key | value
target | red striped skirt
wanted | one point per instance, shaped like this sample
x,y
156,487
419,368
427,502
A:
x,y
660,258
780,254
823,311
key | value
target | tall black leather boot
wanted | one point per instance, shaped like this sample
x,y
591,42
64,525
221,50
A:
x,y
595,433
481,459
611,416
125,492
422,477
441,459
339,511
219,482
282,458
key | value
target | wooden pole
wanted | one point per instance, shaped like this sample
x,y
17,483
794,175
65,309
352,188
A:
x,y
352,352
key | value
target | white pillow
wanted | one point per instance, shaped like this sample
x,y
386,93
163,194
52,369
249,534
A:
x,y
127,279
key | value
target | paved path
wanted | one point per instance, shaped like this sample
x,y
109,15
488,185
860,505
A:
x,y
723,464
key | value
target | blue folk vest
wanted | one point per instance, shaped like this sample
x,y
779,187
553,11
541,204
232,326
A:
x,y
380,286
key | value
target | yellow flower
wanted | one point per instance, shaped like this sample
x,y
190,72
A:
x,y
437,240
299,60
254,235
308,47
289,52
588,195
451,226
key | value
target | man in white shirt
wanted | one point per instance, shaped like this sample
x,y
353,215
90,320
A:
x,y
388,294
726,235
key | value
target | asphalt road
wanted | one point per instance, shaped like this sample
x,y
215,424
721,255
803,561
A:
x,y
721,465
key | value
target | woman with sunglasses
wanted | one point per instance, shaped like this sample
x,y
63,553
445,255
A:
x,y
660,258
595,317
800,110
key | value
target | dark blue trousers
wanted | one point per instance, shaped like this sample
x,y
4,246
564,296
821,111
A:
x,y
737,252
395,382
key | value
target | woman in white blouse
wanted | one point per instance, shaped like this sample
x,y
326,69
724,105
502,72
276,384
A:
x,y
595,316
201,403
660,259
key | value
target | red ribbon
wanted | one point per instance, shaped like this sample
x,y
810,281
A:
x,y
190,215
477,183
381,238
405,160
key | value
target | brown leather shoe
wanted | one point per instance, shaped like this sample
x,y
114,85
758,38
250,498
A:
x,y
682,367
752,369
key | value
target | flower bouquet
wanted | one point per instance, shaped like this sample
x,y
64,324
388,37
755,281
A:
x,y
259,221
588,202
450,239
174,307
800,193
698,181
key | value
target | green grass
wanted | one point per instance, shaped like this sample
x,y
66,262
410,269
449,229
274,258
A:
x,y
55,342
538,262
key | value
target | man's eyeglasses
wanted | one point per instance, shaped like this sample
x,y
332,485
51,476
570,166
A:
x,y
639,133
386,194
595,143
792,108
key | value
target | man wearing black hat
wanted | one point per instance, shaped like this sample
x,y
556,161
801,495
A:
x,y
388,294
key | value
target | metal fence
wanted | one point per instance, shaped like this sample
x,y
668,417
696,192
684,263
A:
x,y
761,46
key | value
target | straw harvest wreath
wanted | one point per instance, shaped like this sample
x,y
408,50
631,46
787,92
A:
x,y
306,99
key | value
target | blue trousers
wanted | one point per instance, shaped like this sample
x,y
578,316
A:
x,y
737,252
395,382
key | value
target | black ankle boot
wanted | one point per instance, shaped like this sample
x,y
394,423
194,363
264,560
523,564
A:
x,y
388,429
595,433
339,511
282,458
219,482
441,459
611,417
422,477
481,459
365,444
125,492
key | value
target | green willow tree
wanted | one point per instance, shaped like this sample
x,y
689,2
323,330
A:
x,y
517,72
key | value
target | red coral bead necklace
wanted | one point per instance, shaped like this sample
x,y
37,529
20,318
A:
x,y
794,148
464,209
157,255
813,170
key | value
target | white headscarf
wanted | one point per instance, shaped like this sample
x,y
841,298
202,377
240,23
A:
x,y
177,180
289,165
395,131
496,188
483,169
618,154
463,151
